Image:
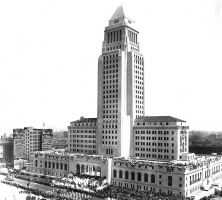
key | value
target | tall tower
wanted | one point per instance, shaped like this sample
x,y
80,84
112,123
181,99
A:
x,y
120,86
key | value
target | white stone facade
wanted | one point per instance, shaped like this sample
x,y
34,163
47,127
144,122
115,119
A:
x,y
179,177
158,145
120,86
160,138
82,136
60,163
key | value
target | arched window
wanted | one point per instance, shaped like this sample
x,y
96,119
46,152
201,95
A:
x,y
66,167
49,164
77,168
114,173
139,176
57,165
126,175
36,163
82,168
145,177
94,169
61,166
45,164
152,178
132,176
120,174
53,165
98,169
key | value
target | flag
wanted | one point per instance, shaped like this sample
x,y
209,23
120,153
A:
x,y
43,124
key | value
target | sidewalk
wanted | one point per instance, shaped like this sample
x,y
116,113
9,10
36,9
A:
x,y
10,192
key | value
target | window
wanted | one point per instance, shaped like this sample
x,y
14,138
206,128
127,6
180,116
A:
x,y
132,176
169,180
120,174
126,175
152,178
139,176
145,177
114,173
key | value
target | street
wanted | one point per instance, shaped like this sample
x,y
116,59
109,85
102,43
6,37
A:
x,y
32,185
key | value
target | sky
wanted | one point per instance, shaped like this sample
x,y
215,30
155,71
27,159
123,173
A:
x,y
49,52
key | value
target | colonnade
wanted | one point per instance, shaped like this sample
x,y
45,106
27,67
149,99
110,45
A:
x,y
114,36
89,170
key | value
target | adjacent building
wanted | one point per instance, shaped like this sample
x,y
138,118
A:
x,y
47,138
19,143
29,140
6,151
60,143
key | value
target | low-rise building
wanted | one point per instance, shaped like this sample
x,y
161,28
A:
x,y
60,163
185,177
59,143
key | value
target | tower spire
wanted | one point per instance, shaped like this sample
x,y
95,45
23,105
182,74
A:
x,y
119,13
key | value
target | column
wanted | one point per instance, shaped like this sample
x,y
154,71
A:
x,y
90,170
113,36
120,34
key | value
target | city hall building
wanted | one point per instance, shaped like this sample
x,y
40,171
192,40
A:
x,y
130,149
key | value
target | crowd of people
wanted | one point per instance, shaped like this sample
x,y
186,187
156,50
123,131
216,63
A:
x,y
84,182
117,192
86,187
207,198
110,192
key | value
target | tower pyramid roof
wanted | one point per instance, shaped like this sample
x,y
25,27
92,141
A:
x,y
119,13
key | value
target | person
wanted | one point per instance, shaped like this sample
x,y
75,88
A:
x,y
28,184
